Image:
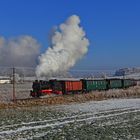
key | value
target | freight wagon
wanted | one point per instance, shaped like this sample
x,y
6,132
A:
x,y
66,86
114,83
129,82
90,85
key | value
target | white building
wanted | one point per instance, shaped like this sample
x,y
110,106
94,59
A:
x,y
5,81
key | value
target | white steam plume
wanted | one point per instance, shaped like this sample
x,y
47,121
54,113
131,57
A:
x,y
69,44
20,51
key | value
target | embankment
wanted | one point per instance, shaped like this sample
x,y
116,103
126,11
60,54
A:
x,y
75,98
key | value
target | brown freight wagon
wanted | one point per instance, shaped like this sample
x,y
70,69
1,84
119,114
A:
x,y
66,86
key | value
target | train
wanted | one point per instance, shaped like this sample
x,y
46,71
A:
x,y
62,87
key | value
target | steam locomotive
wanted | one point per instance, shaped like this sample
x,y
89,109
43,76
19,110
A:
x,y
40,88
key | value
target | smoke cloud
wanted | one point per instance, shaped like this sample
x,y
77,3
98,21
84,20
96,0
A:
x,y
69,44
20,51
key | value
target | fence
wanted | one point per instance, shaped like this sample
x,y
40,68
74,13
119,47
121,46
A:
x,y
17,82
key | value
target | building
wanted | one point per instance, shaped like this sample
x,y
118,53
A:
x,y
5,80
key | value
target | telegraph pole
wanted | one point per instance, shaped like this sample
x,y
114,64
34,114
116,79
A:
x,y
14,91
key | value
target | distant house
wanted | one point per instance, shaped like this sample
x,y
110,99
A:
x,y
127,71
5,81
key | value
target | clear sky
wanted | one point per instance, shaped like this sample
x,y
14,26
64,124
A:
x,y
112,26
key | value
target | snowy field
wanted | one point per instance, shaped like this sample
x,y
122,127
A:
x,y
22,91
104,120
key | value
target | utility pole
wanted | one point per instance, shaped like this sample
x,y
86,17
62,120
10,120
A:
x,y
14,91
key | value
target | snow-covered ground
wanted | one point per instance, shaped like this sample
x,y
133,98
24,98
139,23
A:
x,y
22,91
108,119
135,76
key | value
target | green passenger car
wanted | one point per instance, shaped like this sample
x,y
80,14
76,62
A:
x,y
89,85
128,83
115,83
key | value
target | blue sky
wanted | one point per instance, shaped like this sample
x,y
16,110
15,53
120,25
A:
x,y
112,26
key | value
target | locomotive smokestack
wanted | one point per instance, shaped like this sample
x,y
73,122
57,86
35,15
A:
x,y
69,44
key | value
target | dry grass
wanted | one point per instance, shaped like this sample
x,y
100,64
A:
x,y
66,99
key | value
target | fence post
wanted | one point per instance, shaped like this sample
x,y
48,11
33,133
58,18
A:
x,y
14,91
